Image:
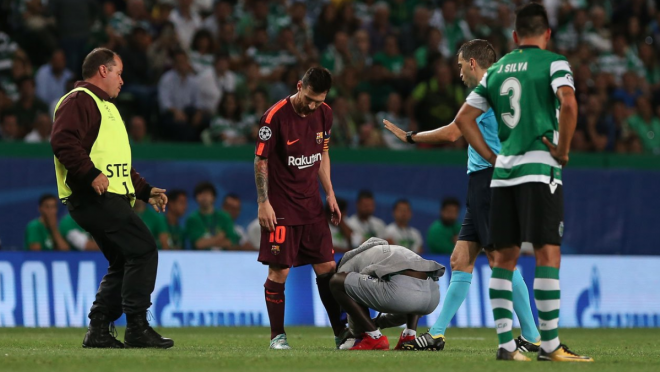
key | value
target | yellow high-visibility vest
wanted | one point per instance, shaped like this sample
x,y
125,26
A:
x,y
111,152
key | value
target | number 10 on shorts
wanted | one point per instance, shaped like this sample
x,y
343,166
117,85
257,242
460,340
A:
x,y
278,235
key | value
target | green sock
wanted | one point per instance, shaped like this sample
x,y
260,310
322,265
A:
x,y
501,299
546,295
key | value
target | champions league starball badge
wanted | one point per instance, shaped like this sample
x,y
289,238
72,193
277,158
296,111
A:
x,y
265,133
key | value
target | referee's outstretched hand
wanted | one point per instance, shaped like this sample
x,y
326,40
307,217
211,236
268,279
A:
x,y
158,199
100,184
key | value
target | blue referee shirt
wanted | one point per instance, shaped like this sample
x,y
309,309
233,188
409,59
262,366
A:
x,y
488,126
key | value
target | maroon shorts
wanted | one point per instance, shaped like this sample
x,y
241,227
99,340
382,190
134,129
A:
x,y
297,245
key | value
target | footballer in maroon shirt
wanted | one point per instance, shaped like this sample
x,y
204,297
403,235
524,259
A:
x,y
291,156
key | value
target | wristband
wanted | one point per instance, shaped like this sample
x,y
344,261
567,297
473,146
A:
x,y
409,135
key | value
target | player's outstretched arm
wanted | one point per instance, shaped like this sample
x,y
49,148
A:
x,y
567,122
324,177
266,213
448,133
467,124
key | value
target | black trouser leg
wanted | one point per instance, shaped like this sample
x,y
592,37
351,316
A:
x,y
130,249
108,297
140,268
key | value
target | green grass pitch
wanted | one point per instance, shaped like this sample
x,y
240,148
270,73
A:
x,y
246,349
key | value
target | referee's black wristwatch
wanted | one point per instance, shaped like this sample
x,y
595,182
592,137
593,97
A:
x,y
409,135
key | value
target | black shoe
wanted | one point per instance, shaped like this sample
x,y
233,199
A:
x,y
101,334
425,342
140,335
562,354
526,346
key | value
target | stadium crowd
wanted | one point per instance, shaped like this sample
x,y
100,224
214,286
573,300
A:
x,y
211,228
205,71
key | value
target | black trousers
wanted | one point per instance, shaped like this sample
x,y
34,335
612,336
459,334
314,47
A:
x,y
129,247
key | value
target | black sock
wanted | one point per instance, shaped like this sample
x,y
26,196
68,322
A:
x,y
330,304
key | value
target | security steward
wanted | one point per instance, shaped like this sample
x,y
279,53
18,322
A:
x,y
96,181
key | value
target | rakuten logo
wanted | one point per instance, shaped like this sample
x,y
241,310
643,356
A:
x,y
303,162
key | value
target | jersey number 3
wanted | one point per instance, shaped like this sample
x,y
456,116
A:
x,y
511,84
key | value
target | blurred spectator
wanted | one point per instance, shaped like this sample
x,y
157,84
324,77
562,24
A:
x,y
162,50
363,222
177,206
254,234
136,60
344,131
258,106
137,130
42,127
186,22
454,29
76,236
394,113
415,34
229,45
232,206
20,67
154,221
434,44
379,28
266,55
620,133
228,126
390,57
136,15
222,13
476,28
629,91
37,29
51,78
207,227
572,33
401,12
256,18
594,131
178,97
251,83
651,66
646,126
368,130
7,50
326,26
400,232
74,19
202,51
28,105
42,234
360,50
443,233
5,102
620,60
302,31
216,81
343,237
438,99
337,56
599,35
377,86
10,131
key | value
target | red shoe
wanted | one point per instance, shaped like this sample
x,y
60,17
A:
x,y
368,343
403,339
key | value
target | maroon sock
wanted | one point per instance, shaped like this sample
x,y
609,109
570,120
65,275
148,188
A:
x,y
274,293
